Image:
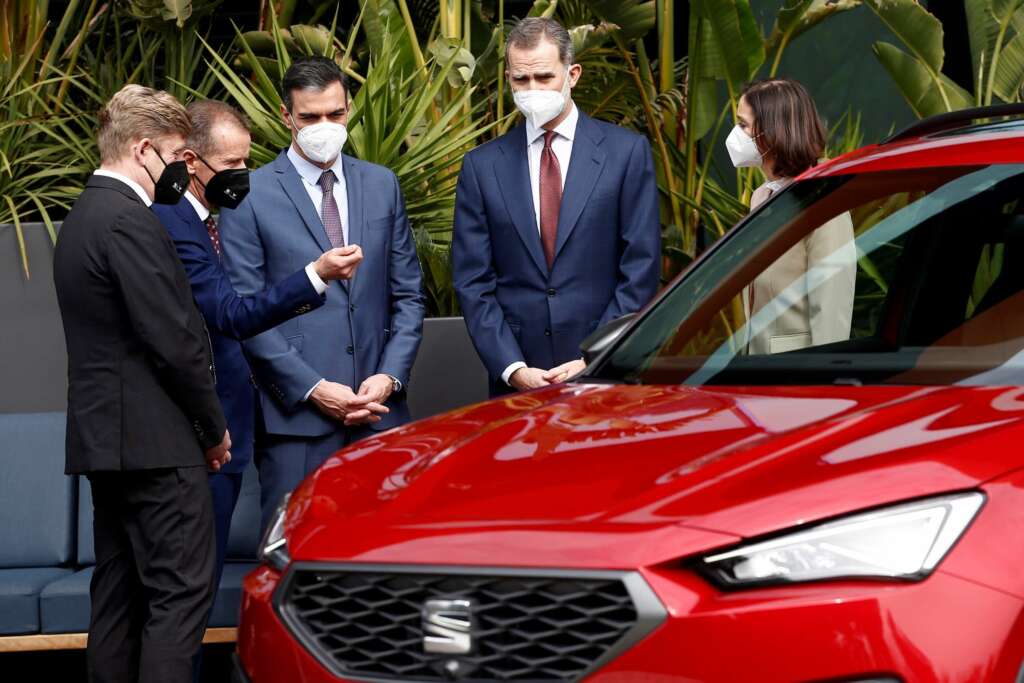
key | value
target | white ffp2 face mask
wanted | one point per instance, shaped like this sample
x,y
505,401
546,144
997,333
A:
x,y
742,149
542,106
322,142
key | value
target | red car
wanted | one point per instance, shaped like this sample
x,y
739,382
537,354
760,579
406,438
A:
x,y
699,505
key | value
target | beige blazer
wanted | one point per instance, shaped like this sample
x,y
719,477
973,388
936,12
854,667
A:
x,y
822,315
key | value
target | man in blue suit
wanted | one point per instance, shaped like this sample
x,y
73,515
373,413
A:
x,y
328,377
216,153
556,223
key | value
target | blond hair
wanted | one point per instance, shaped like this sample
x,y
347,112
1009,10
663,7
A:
x,y
137,112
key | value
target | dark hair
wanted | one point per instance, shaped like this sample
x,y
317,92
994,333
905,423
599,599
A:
x,y
311,73
787,128
527,33
205,114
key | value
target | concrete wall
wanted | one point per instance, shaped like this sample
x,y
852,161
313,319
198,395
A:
x,y
33,361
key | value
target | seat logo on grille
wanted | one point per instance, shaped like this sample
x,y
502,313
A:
x,y
448,627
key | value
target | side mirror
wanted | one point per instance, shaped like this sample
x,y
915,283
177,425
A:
x,y
604,336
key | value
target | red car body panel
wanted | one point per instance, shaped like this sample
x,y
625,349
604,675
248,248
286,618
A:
x,y
647,478
981,148
739,461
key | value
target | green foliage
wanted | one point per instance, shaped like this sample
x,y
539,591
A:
x,y
996,32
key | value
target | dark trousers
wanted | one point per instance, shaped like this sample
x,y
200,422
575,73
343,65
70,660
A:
x,y
284,461
152,587
224,490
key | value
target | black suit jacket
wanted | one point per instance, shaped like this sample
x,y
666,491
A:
x,y
140,372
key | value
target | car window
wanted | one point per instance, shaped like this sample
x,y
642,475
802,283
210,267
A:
x,y
908,277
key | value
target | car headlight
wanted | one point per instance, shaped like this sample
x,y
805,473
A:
x,y
905,541
274,546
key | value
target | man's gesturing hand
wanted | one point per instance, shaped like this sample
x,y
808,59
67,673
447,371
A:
x,y
528,378
339,263
219,455
338,402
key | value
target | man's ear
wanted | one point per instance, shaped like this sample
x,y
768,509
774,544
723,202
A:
x,y
190,158
139,148
575,71
286,117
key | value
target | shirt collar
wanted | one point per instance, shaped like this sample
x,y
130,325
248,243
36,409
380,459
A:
x,y
567,128
127,181
201,210
309,171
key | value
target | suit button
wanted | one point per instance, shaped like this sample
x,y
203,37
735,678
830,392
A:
x,y
547,333
551,292
352,308
349,350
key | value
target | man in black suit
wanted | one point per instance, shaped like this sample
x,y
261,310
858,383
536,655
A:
x,y
144,421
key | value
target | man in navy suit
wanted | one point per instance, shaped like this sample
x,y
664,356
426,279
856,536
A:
x,y
556,223
216,153
329,377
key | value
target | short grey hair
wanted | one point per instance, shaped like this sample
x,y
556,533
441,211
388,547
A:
x,y
205,114
527,34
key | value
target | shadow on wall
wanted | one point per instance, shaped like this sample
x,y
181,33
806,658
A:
x,y
33,362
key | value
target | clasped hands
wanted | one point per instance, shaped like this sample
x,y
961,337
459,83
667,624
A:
x,y
532,378
339,402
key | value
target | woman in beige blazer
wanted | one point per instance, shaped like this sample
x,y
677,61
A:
x,y
780,131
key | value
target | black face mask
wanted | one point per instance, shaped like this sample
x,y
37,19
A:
x,y
170,187
226,188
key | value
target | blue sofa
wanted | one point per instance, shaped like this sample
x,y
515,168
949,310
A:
x,y
46,544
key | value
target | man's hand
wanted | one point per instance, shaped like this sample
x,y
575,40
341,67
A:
x,y
565,371
528,378
339,263
219,455
338,402
375,389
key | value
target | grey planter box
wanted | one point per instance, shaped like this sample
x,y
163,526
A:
x,y
33,361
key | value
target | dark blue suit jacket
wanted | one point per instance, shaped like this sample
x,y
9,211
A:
x,y
608,251
369,325
230,318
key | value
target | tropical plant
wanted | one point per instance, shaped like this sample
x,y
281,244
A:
x,y
996,35
38,169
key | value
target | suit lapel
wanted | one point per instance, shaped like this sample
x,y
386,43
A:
x,y
585,168
354,192
291,181
513,174
187,212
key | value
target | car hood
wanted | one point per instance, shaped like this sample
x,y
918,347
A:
x,y
604,460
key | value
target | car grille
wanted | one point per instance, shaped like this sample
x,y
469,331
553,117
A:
x,y
526,626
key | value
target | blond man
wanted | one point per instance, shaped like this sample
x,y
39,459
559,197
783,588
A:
x,y
144,422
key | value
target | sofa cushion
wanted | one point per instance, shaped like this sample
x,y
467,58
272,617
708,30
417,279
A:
x,y
19,597
245,522
86,550
228,604
36,497
64,604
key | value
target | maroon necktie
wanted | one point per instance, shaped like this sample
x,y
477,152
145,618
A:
x,y
211,230
329,210
550,198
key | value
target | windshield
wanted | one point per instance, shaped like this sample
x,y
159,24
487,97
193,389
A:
x,y
896,277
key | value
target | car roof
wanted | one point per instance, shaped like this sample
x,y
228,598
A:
x,y
1000,142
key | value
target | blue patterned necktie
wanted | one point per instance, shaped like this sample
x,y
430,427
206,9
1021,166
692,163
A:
x,y
329,210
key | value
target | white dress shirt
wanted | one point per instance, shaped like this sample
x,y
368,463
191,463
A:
x,y
319,285
127,181
310,174
561,145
